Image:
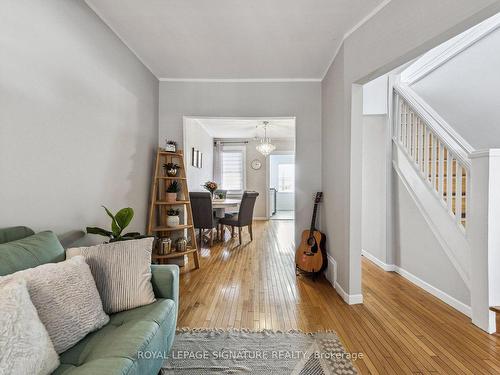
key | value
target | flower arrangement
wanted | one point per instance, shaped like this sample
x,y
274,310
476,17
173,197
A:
x,y
211,186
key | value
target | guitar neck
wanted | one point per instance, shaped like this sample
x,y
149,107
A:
x,y
313,220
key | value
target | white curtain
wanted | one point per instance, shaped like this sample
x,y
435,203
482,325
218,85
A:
x,y
218,162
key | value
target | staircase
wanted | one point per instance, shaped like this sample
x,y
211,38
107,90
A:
x,y
445,171
457,190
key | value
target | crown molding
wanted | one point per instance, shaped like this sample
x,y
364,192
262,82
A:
x,y
240,80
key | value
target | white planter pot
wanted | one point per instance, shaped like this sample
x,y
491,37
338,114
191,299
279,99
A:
x,y
171,197
172,221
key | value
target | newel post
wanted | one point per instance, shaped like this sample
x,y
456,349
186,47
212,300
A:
x,y
484,236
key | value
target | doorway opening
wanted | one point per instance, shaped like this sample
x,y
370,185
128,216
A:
x,y
281,186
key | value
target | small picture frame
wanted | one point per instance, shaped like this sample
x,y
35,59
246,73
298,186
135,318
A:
x,y
170,146
200,159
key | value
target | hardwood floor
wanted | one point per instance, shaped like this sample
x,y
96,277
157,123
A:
x,y
400,329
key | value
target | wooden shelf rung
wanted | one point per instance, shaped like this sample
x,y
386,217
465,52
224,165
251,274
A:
x,y
173,254
176,203
171,178
171,229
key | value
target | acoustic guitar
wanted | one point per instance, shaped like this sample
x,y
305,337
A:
x,y
311,253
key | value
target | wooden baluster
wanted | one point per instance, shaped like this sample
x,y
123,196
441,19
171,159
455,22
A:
x,y
449,180
426,158
405,129
440,174
417,140
458,194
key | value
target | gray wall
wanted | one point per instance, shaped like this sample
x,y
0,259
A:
x,y
299,99
78,119
399,32
419,252
464,91
374,210
198,138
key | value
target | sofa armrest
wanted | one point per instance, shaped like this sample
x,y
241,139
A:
x,y
165,280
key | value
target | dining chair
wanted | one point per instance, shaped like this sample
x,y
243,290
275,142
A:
x,y
203,217
244,216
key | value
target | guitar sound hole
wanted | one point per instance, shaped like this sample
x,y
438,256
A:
x,y
311,241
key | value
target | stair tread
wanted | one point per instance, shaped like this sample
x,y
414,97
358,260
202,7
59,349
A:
x,y
495,309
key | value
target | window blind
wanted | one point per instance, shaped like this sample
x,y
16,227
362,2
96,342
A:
x,y
232,170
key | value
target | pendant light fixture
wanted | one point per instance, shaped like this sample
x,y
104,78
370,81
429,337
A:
x,y
265,147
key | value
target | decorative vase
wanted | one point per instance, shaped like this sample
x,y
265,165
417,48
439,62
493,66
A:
x,y
181,245
171,172
171,197
165,246
181,196
172,221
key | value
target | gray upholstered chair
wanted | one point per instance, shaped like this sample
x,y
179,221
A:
x,y
244,216
203,216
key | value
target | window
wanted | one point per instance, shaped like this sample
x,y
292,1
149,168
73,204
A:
x,y
233,169
286,177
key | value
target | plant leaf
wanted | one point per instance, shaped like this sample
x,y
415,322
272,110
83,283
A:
x,y
124,217
132,234
114,225
99,231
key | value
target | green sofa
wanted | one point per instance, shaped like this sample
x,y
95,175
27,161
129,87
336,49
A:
x,y
133,342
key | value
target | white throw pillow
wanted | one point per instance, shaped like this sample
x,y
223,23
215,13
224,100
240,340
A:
x,y
25,346
122,272
66,299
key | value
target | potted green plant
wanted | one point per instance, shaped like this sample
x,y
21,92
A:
x,y
119,222
171,169
172,191
173,218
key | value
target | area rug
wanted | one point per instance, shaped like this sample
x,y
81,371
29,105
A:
x,y
212,351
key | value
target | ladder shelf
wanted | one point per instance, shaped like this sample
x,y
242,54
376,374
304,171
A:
x,y
159,206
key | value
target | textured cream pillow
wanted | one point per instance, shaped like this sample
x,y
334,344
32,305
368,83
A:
x,y
122,272
66,299
25,346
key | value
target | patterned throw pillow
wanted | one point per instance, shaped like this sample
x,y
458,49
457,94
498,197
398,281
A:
x,y
66,299
25,345
122,272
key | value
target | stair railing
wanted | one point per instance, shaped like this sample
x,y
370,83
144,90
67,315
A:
x,y
439,153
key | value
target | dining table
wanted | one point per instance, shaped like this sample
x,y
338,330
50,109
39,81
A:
x,y
220,205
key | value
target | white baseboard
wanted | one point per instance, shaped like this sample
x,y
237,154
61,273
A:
x,y
260,218
331,276
446,298
378,262
331,270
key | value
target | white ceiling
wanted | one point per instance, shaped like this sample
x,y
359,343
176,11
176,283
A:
x,y
234,39
278,128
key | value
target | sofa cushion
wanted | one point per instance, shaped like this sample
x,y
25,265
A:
x,y
66,300
14,233
117,344
25,345
29,252
122,272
